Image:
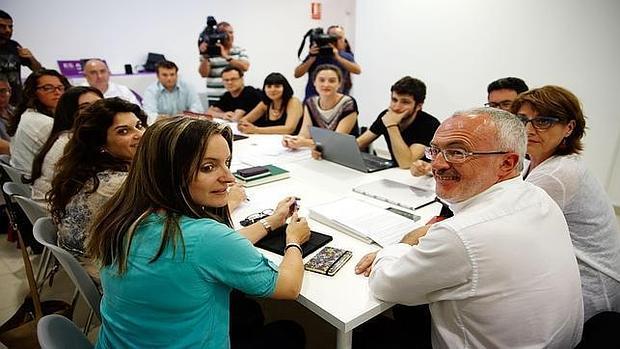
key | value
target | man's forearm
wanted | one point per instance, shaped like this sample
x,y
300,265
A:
x,y
205,67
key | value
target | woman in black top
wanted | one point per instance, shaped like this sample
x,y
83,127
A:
x,y
279,112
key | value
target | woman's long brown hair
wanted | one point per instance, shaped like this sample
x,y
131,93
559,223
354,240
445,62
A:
x,y
167,160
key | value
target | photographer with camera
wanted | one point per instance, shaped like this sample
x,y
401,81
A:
x,y
217,51
331,48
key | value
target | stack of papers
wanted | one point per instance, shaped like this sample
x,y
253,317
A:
x,y
364,221
396,193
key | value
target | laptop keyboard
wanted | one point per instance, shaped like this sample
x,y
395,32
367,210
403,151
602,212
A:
x,y
372,161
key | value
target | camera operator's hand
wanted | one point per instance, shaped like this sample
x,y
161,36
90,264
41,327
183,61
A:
x,y
314,50
202,48
224,52
335,51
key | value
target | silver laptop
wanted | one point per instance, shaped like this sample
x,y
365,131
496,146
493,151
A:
x,y
342,149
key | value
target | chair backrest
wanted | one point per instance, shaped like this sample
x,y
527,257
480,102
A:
x,y
14,174
57,332
18,221
45,232
5,159
31,208
13,188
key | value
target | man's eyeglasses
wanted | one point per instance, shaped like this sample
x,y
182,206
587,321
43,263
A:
x,y
539,122
255,217
505,105
5,91
457,156
51,88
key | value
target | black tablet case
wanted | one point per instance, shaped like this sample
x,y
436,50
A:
x,y
276,240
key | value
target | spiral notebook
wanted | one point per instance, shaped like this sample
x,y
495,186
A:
x,y
396,193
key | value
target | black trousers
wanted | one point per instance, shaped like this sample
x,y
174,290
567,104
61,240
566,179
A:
x,y
248,329
410,328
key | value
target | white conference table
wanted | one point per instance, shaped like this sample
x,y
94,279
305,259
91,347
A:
x,y
344,299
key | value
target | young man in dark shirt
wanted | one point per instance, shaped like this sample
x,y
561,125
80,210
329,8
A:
x,y
406,127
12,57
238,99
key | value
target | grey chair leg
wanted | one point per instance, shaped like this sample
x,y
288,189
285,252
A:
x,y
43,267
88,322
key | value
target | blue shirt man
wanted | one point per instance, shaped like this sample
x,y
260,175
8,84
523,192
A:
x,y
169,96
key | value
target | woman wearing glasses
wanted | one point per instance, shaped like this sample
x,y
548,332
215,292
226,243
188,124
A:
x,y
72,102
169,255
33,119
555,125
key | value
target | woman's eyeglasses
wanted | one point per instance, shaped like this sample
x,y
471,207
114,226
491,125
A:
x,y
51,88
255,217
539,122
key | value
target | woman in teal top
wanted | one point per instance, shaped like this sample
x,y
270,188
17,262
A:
x,y
168,253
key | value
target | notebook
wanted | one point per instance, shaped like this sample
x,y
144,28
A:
x,y
364,221
275,174
342,149
276,240
396,193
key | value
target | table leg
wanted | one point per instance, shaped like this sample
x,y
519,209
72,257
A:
x,y
344,340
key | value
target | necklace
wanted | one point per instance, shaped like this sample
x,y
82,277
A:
x,y
274,112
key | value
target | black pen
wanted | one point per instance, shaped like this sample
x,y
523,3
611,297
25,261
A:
x,y
426,204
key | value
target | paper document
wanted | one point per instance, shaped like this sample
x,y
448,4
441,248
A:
x,y
364,221
396,193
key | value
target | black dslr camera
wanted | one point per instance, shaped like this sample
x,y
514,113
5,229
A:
x,y
321,39
211,36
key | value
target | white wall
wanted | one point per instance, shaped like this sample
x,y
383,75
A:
x,y
457,47
124,32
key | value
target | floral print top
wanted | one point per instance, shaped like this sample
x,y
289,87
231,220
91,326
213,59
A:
x,y
72,230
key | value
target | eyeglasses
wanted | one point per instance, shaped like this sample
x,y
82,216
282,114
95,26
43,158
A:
x,y
51,88
457,156
5,91
540,122
255,217
501,105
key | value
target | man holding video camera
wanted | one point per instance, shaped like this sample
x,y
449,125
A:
x,y
213,61
340,55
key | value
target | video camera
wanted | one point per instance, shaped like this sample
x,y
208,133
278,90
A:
x,y
319,38
211,36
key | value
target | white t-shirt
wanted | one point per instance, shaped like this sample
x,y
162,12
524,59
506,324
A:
x,y
32,132
116,90
592,225
43,184
501,273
